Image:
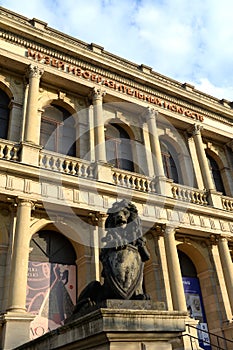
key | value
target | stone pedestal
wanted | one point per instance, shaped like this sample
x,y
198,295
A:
x,y
30,153
103,172
119,324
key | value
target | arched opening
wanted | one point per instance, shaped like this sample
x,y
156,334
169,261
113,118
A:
x,y
216,174
170,162
52,279
4,114
118,147
58,132
193,297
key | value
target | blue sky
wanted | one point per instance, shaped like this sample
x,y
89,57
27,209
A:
x,y
190,41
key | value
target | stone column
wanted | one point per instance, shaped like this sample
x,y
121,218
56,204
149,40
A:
x,y
195,162
214,198
175,277
162,184
227,267
100,150
32,127
151,116
209,280
19,261
92,135
205,170
149,160
15,121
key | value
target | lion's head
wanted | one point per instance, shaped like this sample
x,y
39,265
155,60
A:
x,y
121,214
123,227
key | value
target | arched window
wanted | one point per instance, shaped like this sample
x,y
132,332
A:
x,y
51,284
4,114
58,130
216,174
169,162
118,147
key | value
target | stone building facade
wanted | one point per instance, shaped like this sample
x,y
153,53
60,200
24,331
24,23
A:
x,y
81,128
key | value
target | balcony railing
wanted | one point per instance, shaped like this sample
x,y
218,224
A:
x,y
65,164
189,194
81,168
133,181
227,203
8,150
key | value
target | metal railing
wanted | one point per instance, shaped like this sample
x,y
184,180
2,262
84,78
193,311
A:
x,y
217,342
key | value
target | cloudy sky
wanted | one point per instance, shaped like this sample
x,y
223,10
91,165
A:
x,y
189,41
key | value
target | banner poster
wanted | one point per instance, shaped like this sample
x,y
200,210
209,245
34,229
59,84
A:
x,y
196,309
51,295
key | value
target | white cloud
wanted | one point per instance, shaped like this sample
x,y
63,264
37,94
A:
x,y
187,41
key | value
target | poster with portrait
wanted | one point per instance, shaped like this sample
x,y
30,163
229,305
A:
x,y
51,295
196,309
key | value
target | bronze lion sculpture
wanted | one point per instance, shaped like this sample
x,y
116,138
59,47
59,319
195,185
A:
x,y
122,257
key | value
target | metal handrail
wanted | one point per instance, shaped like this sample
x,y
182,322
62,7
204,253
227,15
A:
x,y
218,337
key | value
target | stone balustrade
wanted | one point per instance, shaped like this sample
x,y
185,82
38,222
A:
x,y
227,203
189,194
8,150
133,181
67,165
78,167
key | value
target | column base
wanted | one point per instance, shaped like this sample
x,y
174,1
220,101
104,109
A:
x,y
14,329
121,324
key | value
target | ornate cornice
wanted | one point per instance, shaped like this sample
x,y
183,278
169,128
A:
x,y
150,78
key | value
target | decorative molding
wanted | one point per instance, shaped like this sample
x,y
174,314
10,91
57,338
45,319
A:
x,y
19,40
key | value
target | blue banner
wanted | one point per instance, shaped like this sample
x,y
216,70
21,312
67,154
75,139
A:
x,y
195,307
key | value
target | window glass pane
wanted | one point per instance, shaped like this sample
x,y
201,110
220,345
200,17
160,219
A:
x,y
67,138
169,164
118,148
4,114
216,173
58,131
48,135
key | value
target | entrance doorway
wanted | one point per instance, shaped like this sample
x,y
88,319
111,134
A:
x,y
51,283
193,297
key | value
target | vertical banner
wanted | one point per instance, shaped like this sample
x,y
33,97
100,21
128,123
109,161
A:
x,y
51,295
196,309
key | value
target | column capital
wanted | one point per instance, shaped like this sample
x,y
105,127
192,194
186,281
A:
x,y
96,218
151,113
169,230
196,129
34,71
158,229
97,94
223,238
24,202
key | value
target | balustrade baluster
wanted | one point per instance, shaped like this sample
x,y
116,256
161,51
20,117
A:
x,y
47,162
8,152
79,169
66,169
84,170
73,165
53,163
15,153
90,169
127,181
